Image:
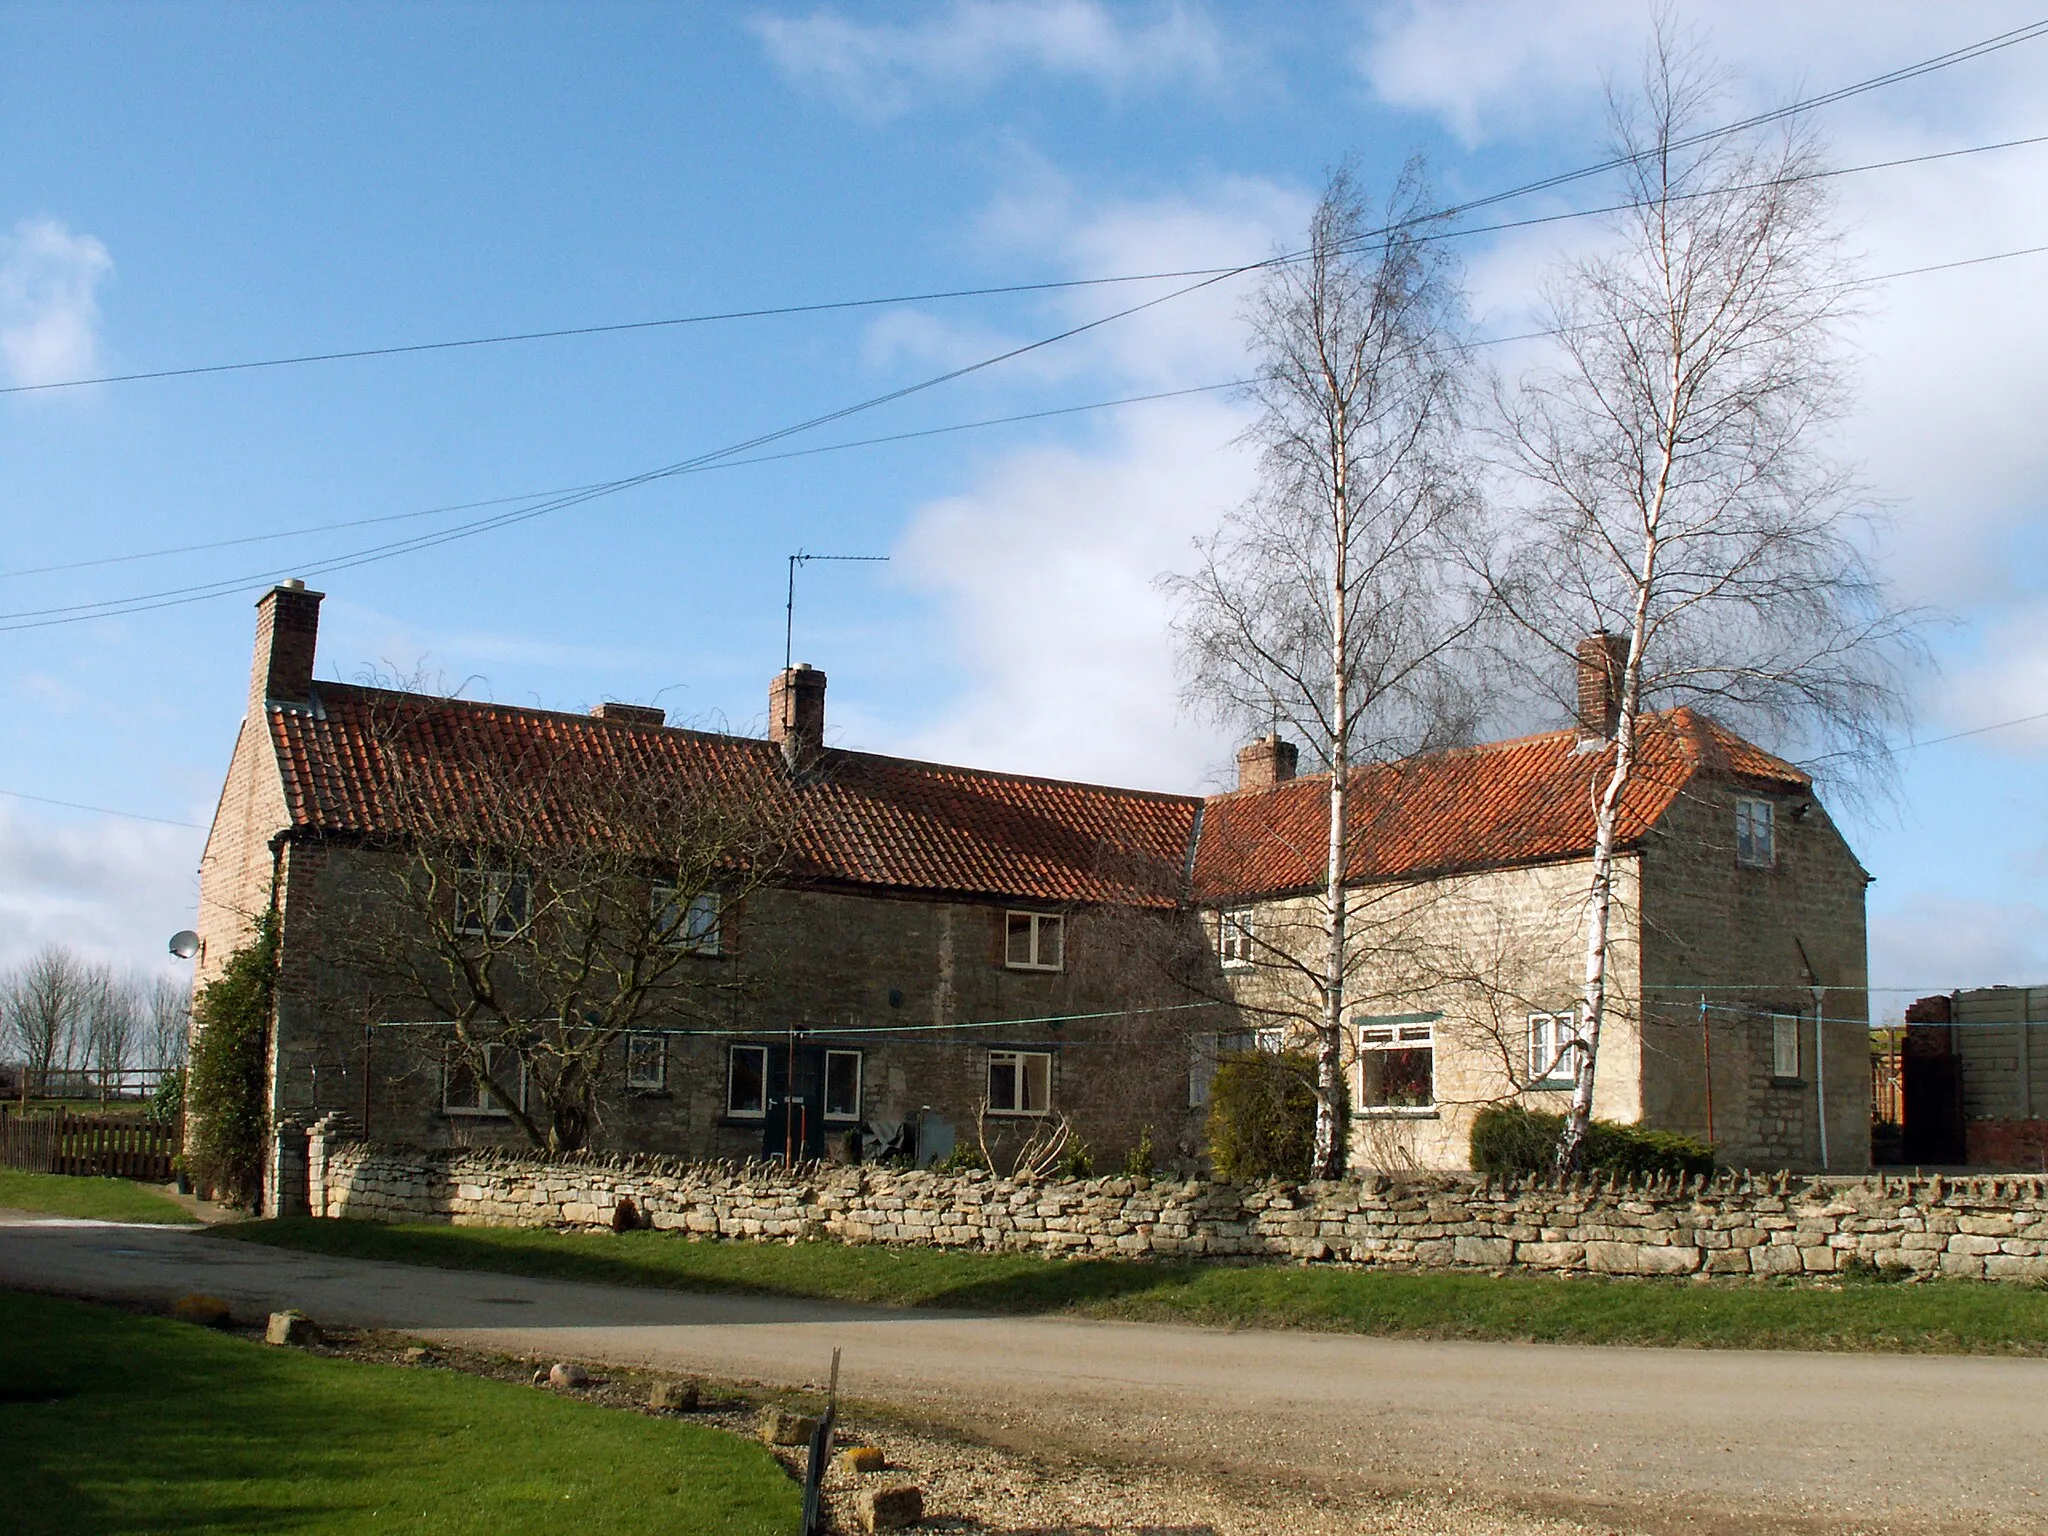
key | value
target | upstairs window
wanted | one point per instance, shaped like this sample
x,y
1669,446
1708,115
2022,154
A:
x,y
746,1082
1556,1043
1756,839
492,900
691,926
1785,1046
1034,941
1234,939
1397,1067
1019,1082
646,1062
463,1091
842,1085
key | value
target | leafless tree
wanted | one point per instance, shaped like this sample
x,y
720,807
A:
x,y
1329,604
1677,497
113,1026
540,902
44,1000
167,1022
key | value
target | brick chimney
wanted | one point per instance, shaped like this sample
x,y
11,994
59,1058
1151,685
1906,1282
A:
x,y
287,625
796,713
630,714
1266,762
1601,659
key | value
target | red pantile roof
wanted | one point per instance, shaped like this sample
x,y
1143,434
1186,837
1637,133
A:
x,y
858,819
1511,802
884,822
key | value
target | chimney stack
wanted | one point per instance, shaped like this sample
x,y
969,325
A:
x,y
1602,658
287,625
796,714
1266,762
631,714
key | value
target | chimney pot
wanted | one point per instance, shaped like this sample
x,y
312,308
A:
x,y
1602,658
287,631
796,714
1266,762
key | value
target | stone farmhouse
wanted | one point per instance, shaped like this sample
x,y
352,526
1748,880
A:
x,y
951,952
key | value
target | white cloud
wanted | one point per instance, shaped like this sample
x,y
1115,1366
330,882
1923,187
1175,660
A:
x,y
112,890
881,69
49,315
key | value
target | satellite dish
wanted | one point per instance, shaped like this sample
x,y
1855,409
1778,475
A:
x,y
184,944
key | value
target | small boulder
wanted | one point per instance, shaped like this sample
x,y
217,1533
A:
x,y
567,1373
673,1397
419,1354
206,1311
291,1328
781,1427
860,1460
889,1509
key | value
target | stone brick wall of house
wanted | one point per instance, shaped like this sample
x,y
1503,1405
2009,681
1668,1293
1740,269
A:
x,y
1745,937
854,972
1485,950
1738,1224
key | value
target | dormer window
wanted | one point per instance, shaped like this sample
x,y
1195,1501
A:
x,y
1756,842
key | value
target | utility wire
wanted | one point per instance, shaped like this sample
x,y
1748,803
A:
x,y
719,459
1965,54
101,810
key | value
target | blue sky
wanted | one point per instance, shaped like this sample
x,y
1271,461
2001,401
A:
x,y
193,184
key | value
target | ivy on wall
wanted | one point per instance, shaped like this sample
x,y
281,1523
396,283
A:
x,y
227,1095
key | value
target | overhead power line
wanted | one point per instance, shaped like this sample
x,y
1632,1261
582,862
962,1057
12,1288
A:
x,y
540,503
100,810
1980,49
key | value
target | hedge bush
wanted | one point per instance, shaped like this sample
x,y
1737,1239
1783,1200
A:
x,y
1508,1139
1262,1116
226,1092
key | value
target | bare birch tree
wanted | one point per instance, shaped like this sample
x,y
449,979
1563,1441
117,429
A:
x,y
43,1001
1327,604
1680,501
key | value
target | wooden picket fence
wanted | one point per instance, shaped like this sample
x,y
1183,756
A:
x,y
59,1142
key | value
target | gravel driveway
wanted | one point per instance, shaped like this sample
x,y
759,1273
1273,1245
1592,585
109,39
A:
x,y
1626,1439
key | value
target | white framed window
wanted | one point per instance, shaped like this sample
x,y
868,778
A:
x,y
1019,1082
1397,1067
1034,941
490,898
842,1085
1785,1045
693,925
1270,1039
1553,1037
463,1091
1756,834
746,1082
1234,938
647,1062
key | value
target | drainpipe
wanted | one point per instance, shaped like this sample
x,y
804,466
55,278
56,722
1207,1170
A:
x,y
1820,1067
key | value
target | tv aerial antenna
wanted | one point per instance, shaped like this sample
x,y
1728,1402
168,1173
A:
x,y
801,557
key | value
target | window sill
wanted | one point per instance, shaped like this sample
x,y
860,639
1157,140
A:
x,y
1564,1086
648,1092
1397,1112
1788,1082
1018,1114
1041,970
745,1121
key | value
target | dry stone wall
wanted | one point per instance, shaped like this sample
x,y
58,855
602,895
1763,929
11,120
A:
x,y
1740,1224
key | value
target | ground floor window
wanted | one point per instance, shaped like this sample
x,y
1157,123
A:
x,y
842,1085
1019,1082
1397,1066
646,1062
746,1082
1785,1046
463,1091
1554,1041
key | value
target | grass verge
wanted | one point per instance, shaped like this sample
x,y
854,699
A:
x,y
117,1423
63,1194
1950,1317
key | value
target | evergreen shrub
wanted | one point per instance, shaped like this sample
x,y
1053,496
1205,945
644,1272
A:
x,y
227,1088
1509,1139
1262,1115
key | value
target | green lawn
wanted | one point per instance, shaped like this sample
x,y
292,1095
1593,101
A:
x,y
116,1423
1857,1314
60,1194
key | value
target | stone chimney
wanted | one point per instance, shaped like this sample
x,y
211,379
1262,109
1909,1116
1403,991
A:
x,y
630,714
796,714
1601,659
287,625
1266,762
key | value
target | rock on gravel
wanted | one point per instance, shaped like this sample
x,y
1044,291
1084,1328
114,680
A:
x,y
889,1509
567,1373
291,1328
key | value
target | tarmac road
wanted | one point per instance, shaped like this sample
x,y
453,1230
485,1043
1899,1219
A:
x,y
1640,1439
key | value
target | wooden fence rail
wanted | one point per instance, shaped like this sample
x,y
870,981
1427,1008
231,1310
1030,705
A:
x,y
124,1148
